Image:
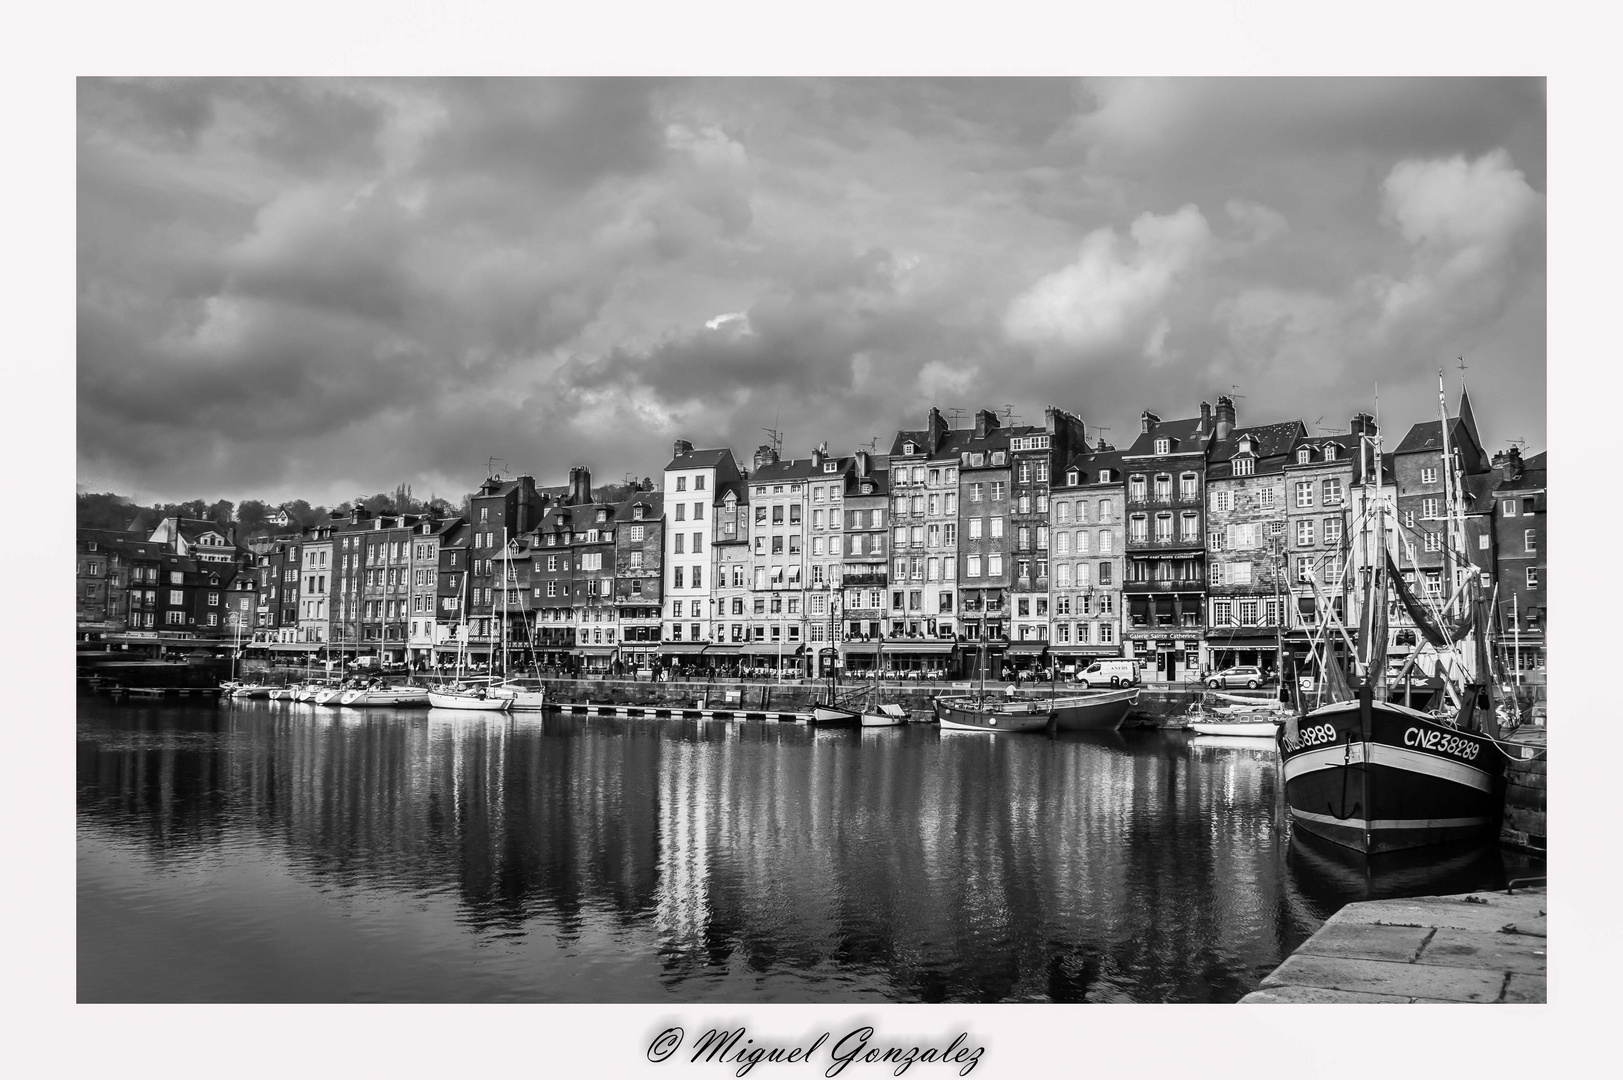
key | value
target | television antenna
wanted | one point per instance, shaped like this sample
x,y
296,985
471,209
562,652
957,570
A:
x,y
775,437
873,444
1519,443
953,416
490,467
1008,414
1234,391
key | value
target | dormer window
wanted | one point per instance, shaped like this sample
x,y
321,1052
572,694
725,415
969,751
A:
x,y
977,460
909,448
831,466
1104,476
1163,446
637,512
1303,456
602,515
998,457
214,579
867,489
1071,478
1330,452
1244,466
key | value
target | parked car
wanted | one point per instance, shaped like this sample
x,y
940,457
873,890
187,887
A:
x,y
1247,675
1109,673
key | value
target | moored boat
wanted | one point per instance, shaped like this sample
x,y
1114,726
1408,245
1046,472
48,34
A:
x,y
1103,711
832,716
884,716
971,714
1245,728
1377,776
475,698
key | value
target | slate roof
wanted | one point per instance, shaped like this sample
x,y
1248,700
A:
x,y
1533,474
1088,465
699,459
1272,444
1428,437
1181,432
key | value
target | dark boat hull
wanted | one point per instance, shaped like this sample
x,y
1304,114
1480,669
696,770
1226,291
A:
x,y
965,717
1408,781
1093,712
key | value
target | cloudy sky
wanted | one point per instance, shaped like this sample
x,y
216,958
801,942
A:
x,y
297,288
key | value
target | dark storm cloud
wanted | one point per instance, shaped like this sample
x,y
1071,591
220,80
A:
x,y
319,287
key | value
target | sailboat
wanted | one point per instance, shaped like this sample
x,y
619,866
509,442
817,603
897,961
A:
x,y
875,715
524,696
980,713
461,694
1372,775
829,714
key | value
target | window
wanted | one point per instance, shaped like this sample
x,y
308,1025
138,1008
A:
x,y
1532,577
1332,491
681,542
1189,527
1303,456
1304,532
1163,488
677,578
1429,508
1222,610
1434,541
972,568
1330,451
1138,528
997,527
1163,446
1214,574
998,490
1265,498
1332,530
1408,519
1188,485
1135,488
681,511
698,511
1529,541
1304,493
1428,476
1508,507
1163,528
1244,466
681,483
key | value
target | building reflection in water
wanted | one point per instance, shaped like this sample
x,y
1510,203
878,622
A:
x,y
761,861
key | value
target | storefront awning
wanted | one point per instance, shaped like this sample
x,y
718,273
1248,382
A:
x,y
771,648
1086,650
596,650
682,648
927,648
1027,648
723,650
1250,634
859,648
294,646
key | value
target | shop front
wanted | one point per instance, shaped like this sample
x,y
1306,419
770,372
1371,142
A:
x,y
596,660
681,659
1169,658
1247,645
1071,659
913,658
1025,660
768,659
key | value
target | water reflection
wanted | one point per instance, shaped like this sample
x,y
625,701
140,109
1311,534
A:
x,y
381,855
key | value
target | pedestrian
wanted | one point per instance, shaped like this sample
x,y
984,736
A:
x,y
1009,693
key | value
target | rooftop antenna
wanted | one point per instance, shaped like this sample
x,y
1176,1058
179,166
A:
x,y
1234,391
873,444
1008,414
1519,443
490,467
953,416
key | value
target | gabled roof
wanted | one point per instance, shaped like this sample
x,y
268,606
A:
x,y
795,469
1185,435
700,459
1271,445
1088,465
1428,437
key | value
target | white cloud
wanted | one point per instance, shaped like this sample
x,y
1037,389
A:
x,y
730,317
1113,291
938,379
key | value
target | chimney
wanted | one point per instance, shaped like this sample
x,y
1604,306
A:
x,y
682,447
935,429
582,493
764,456
985,421
1205,425
1513,464
862,462
1148,422
1225,416
817,456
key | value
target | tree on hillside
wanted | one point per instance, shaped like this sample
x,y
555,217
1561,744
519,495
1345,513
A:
x,y
252,516
380,504
221,512
104,510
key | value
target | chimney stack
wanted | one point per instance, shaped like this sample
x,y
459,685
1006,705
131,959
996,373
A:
x,y
985,421
764,456
862,462
817,456
1205,425
935,429
1225,416
580,480
682,447
1148,422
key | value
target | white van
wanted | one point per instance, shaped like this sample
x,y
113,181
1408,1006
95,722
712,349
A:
x,y
1109,673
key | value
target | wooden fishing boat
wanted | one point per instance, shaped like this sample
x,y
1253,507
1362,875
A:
x,y
832,716
972,714
883,716
1102,711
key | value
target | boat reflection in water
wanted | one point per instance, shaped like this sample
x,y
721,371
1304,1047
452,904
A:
x,y
1329,875
398,855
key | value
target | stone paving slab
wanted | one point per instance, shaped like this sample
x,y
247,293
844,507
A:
x,y
1525,989
1479,947
1400,944
1499,952
1318,995
1387,977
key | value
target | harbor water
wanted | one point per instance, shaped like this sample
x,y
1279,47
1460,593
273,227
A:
x,y
268,851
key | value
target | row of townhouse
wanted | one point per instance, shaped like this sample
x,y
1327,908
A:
x,y
179,585
1202,544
